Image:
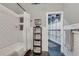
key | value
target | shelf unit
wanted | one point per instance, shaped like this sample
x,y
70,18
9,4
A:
x,y
37,40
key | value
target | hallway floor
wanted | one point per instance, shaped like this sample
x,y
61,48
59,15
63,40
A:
x,y
30,53
54,49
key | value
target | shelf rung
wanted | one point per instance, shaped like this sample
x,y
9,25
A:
x,y
37,33
36,46
37,39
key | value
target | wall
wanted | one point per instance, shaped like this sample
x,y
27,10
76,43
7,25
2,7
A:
x,y
71,12
75,51
39,11
9,34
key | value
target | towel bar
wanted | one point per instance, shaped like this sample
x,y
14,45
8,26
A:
x,y
72,29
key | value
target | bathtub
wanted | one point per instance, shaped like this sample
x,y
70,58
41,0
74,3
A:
x,y
13,50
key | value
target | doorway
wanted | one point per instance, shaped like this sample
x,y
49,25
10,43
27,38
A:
x,y
54,34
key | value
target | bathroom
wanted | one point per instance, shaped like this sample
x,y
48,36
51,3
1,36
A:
x,y
18,19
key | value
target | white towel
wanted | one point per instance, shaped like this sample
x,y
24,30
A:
x,y
69,40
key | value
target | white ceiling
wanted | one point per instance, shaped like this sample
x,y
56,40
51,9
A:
x,y
40,7
14,7
71,11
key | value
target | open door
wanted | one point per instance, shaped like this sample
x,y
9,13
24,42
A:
x,y
55,31
27,31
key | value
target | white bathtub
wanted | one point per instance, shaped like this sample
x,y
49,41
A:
x,y
13,50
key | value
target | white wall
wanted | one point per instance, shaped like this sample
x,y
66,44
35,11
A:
x,y
39,11
9,34
71,12
75,51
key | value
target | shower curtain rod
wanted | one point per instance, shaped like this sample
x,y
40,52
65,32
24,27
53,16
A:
x,y
21,7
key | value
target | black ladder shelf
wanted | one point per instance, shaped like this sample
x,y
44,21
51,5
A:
x,y
37,40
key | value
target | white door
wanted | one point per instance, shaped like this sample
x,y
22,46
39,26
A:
x,y
55,29
27,30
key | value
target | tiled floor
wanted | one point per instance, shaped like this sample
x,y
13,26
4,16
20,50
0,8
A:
x,y
54,49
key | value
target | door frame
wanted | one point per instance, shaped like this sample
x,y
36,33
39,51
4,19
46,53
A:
x,y
62,29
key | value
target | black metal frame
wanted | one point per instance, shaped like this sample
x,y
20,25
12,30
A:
x,y
34,53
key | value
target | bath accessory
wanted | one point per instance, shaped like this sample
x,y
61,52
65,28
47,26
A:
x,y
69,40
